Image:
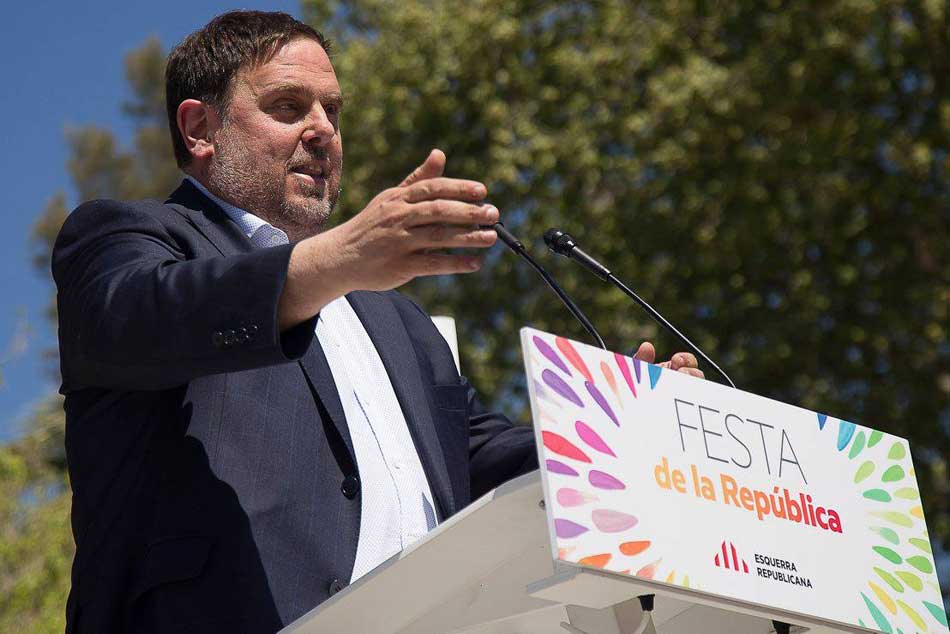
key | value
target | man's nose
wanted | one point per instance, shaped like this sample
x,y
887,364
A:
x,y
319,128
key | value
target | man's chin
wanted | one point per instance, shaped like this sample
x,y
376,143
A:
x,y
307,211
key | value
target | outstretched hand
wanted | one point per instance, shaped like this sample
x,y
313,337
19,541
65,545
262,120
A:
x,y
684,362
403,231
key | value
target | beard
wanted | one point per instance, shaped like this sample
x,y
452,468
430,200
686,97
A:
x,y
240,176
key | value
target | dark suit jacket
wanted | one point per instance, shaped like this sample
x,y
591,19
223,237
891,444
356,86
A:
x,y
214,481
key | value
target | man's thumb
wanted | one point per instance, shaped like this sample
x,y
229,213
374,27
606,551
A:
x,y
432,167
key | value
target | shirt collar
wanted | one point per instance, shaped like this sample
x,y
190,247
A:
x,y
248,222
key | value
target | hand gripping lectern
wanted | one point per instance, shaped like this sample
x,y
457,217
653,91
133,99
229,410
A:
x,y
666,504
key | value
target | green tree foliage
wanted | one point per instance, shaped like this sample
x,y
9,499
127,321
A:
x,y
773,175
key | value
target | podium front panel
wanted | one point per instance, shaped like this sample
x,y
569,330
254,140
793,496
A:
x,y
659,475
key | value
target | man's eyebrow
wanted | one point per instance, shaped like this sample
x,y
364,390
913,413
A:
x,y
299,89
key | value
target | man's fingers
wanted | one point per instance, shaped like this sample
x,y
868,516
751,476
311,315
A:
x,y
432,167
454,212
442,264
646,352
447,188
451,237
683,360
692,372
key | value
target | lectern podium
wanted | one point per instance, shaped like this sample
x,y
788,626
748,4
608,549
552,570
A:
x,y
735,513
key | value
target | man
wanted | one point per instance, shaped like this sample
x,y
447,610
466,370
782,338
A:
x,y
254,417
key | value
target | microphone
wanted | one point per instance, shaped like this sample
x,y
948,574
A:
x,y
563,244
515,245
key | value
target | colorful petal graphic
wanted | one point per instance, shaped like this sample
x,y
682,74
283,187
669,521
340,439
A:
x,y
909,611
897,451
878,495
551,355
568,497
857,446
894,473
822,419
649,570
895,517
593,440
600,400
625,371
889,580
554,466
907,493
845,432
611,381
887,554
544,395
566,529
634,548
595,561
655,372
912,580
562,446
921,563
875,438
922,544
557,384
878,617
608,521
866,469
568,350
603,480
887,533
937,612
884,597
562,553
636,368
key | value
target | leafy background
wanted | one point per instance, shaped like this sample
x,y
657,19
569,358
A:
x,y
773,175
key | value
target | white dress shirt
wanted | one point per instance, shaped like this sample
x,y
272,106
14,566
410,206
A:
x,y
396,502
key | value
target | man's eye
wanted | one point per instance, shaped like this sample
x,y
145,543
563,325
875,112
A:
x,y
331,109
287,107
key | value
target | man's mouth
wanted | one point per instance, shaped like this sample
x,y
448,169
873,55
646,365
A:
x,y
312,173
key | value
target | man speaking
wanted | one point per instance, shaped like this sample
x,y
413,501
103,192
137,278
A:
x,y
254,417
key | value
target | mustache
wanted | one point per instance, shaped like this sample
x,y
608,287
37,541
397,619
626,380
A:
x,y
316,155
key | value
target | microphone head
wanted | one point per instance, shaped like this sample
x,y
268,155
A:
x,y
559,242
505,236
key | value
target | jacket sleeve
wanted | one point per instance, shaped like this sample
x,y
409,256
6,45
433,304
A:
x,y
136,313
498,449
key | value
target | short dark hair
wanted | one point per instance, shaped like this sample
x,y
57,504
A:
x,y
204,64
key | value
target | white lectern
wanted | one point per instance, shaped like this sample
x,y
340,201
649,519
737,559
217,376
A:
x,y
731,512
489,570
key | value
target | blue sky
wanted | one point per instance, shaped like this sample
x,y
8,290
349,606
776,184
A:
x,y
62,63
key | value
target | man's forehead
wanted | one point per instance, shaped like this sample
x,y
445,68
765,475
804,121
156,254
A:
x,y
302,63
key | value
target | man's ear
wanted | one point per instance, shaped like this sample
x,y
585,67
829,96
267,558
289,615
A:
x,y
197,122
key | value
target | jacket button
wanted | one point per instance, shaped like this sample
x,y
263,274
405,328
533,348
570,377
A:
x,y
335,586
241,335
228,337
350,486
217,339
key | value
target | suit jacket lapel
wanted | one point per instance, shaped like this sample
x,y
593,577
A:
x,y
389,335
209,219
315,367
228,238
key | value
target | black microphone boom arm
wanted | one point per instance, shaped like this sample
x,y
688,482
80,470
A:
x,y
515,245
563,244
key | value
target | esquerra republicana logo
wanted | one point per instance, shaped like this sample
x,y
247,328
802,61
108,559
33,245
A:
x,y
766,566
